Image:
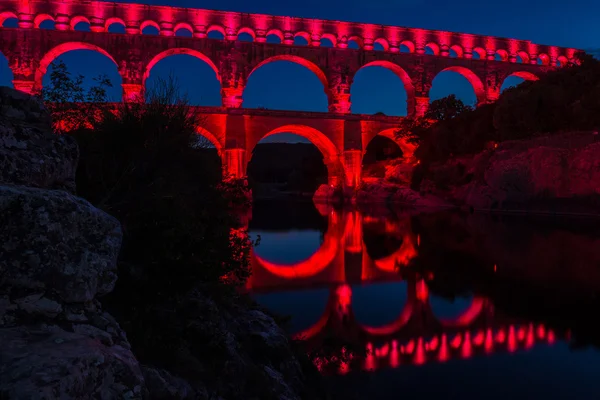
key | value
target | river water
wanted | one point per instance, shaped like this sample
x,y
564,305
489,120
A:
x,y
441,305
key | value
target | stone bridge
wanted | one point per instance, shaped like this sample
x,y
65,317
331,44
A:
x,y
334,51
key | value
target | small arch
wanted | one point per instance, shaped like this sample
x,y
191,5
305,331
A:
x,y
562,61
80,23
149,28
456,51
112,23
406,46
432,49
301,38
5,16
473,79
479,53
328,37
246,34
40,19
216,32
522,57
381,45
543,59
355,43
183,29
501,55
57,51
298,60
274,36
181,50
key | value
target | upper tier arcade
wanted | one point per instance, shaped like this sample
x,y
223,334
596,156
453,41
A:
x,y
415,55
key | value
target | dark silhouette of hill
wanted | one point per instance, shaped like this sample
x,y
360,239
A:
x,y
286,167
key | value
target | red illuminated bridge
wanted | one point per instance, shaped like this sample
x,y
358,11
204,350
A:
x,y
416,56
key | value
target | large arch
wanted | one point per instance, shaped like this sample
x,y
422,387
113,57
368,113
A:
x,y
179,50
298,60
211,138
472,78
404,78
59,50
516,78
316,137
408,149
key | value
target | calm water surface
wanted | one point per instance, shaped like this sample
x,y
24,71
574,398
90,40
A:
x,y
445,305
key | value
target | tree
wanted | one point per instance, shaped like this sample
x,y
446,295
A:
x,y
72,106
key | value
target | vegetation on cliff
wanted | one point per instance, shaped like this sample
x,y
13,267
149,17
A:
x,y
565,99
183,254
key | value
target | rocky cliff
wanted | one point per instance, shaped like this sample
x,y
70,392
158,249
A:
x,y
58,255
554,173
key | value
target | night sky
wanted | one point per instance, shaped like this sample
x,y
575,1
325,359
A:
x,y
284,85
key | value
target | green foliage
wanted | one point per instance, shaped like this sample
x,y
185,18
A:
x,y
72,106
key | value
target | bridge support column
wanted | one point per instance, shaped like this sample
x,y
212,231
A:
x,y
234,163
133,92
24,86
421,106
232,97
352,162
340,100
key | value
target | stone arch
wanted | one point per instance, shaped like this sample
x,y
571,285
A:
x,y
473,79
180,50
298,60
331,159
358,40
304,35
480,51
316,137
409,45
41,18
217,28
524,57
562,61
543,59
148,23
528,76
458,50
277,33
408,149
76,20
183,25
404,77
331,37
7,15
383,42
113,20
434,47
211,138
59,50
502,55
247,30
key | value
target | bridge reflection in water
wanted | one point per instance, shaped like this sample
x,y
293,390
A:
x,y
360,259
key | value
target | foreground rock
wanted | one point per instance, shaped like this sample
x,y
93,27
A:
x,y
57,253
30,154
548,173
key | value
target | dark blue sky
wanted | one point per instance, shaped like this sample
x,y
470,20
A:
x,y
284,85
